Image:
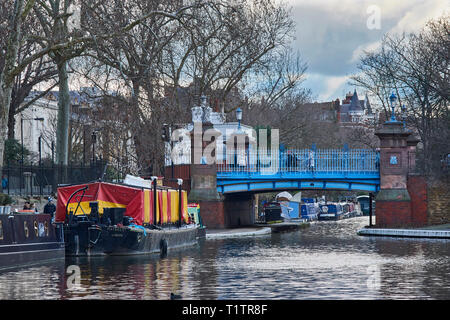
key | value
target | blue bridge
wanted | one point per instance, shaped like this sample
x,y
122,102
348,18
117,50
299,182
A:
x,y
327,169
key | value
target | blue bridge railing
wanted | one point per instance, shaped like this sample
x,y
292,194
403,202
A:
x,y
300,161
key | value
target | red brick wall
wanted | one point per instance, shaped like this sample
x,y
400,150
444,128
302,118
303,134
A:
x,y
392,214
417,189
438,201
213,214
182,171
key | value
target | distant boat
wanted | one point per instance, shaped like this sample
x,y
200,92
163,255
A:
x,y
283,196
331,212
364,202
309,211
272,213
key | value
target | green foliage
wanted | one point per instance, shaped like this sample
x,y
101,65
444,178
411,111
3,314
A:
x,y
111,174
5,199
13,152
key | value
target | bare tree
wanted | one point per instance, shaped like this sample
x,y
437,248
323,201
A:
x,y
8,73
415,67
37,72
61,44
163,67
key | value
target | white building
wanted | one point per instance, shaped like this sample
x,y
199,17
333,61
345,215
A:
x,y
34,122
181,152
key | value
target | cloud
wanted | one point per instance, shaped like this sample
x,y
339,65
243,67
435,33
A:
x,y
417,16
364,47
328,87
332,34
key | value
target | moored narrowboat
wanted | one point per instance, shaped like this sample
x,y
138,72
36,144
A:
x,y
331,212
345,210
364,202
309,211
28,239
103,218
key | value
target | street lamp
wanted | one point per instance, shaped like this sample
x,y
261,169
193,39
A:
x,y
393,100
239,117
180,190
404,116
94,139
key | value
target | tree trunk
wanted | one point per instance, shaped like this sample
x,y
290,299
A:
x,y
62,133
6,80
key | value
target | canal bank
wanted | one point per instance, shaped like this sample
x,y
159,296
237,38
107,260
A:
x,y
237,232
257,229
436,231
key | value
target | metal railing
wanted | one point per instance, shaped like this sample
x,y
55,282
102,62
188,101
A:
x,y
304,160
35,180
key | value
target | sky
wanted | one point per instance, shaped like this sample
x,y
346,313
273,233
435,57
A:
x,y
331,35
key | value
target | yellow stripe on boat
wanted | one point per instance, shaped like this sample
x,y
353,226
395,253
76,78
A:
x,y
86,209
147,206
164,206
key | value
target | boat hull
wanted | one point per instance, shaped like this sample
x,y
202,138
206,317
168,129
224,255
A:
x,y
89,240
28,239
330,216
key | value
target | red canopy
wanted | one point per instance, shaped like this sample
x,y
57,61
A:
x,y
137,201
106,194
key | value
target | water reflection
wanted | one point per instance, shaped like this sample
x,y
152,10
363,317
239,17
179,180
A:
x,y
326,261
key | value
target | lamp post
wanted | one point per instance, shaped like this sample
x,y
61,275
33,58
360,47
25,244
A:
x,y
180,183
40,162
239,117
393,100
404,116
94,139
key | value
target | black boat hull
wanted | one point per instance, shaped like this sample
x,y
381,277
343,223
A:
x,y
84,239
28,239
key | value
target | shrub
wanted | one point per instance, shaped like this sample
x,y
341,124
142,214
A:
x,y
5,199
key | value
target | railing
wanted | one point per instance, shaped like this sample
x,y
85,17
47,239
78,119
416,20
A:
x,y
34,180
305,160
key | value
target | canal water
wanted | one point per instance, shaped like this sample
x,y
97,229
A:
x,y
328,260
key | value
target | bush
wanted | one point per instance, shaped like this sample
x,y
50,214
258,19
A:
x,y
5,199
13,152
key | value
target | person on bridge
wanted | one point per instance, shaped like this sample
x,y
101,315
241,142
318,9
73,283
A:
x,y
311,160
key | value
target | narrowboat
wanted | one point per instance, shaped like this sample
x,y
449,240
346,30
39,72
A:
x,y
356,209
345,210
331,212
272,213
29,238
365,205
102,218
309,211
